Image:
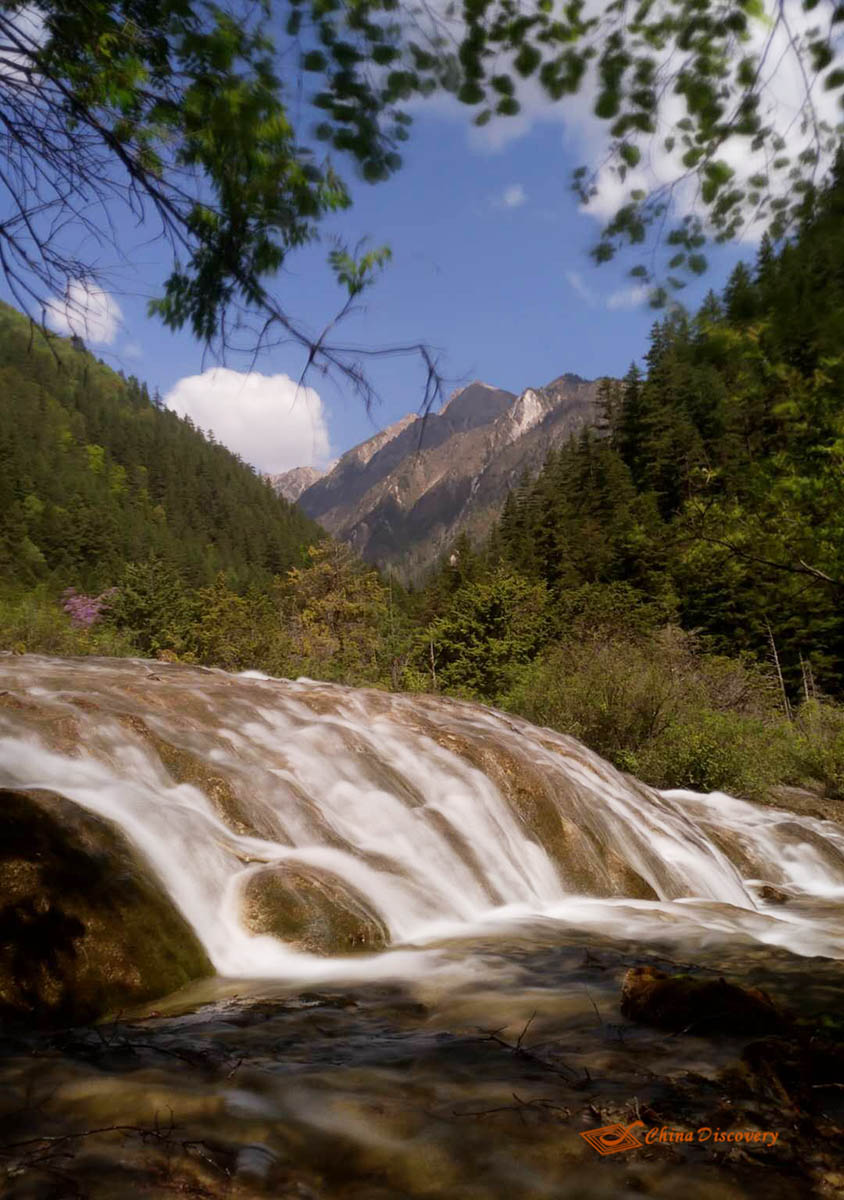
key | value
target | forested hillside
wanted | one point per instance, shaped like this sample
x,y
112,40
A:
x,y
126,530
95,475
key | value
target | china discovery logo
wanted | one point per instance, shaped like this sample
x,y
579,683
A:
x,y
610,1139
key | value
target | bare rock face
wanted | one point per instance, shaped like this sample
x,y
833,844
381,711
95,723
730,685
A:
x,y
84,928
402,497
700,1006
291,484
311,910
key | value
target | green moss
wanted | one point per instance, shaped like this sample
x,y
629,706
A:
x,y
84,927
312,910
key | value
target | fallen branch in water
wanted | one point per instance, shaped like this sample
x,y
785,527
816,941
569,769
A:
x,y
528,1024
40,1153
56,1138
562,1069
519,1106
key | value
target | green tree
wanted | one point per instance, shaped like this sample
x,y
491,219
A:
x,y
491,630
232,631
336,613
153,607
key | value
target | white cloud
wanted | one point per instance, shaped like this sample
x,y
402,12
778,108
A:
x,y
268,420
625,297
85,310
132,350
629,297
578,284
513,196
28,31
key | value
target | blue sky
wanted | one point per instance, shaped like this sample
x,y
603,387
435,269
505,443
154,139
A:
x,y
490,268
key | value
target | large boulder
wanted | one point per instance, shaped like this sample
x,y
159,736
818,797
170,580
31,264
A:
x,y
85,928
701,1006
311,909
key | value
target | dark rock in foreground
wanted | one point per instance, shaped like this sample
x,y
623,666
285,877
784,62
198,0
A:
x,y
84,928
705,1006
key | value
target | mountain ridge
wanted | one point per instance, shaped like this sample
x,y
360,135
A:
x,y
402,496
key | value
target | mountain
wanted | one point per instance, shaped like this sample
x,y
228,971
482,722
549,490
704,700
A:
x,y
290,484
401,497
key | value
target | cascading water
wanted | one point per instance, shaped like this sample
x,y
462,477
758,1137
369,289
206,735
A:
x,y
445,816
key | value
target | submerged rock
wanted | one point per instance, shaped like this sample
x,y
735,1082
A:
x,y
312,910
773,895
704,1006
84,928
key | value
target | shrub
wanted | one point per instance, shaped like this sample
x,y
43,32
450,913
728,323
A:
x,y
656,706
709,751
817,747
35,623
85,611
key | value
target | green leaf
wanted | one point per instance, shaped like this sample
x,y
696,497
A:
x,y
527,60
508,107
607,104
314,60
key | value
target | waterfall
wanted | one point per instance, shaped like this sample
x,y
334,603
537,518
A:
x,y
445,816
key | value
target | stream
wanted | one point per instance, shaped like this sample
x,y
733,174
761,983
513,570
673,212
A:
x,y
450,1025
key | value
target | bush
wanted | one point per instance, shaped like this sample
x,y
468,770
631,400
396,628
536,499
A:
x,y
35,623
707,751
817,747
656,706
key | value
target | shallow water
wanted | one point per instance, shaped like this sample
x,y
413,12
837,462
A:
x,y
416,1086
518,876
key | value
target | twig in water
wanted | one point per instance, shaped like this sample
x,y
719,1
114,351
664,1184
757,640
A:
x,y
538,1102
528,1024
565,1072
595,1007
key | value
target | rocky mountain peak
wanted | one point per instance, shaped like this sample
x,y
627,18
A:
x,y
291,484
475,405
402,496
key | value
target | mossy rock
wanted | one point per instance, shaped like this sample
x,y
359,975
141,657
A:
x,y
311,909
85,928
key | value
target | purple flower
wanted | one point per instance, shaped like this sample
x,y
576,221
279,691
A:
x,y
85,611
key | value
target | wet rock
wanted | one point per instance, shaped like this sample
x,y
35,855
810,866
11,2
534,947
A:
x,y
807,802
584,860
772,895
700,1006
312,910
253,819
85,929
807,1069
